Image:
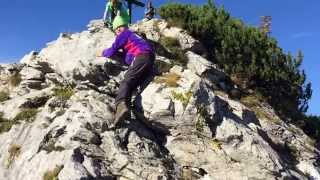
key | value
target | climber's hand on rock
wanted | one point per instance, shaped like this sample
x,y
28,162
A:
x,y
99,53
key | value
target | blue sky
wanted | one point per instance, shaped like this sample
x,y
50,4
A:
x,y
29,25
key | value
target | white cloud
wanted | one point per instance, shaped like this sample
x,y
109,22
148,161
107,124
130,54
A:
x,y
7,61
301,35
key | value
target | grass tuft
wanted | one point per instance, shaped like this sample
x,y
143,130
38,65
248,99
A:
x,y
51,147
28,114
14,153
5,124
201,121
64,93
216,145
170,79
52,175
254,103
253,100
4,96
15,79
163,67
184,98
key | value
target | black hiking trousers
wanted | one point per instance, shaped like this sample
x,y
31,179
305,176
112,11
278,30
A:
x,y
139,71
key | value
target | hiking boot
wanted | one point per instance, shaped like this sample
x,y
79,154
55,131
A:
x,y
122,113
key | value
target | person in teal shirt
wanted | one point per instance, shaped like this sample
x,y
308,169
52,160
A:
x,y
114,8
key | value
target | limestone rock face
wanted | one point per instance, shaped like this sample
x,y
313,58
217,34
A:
x,y
56,121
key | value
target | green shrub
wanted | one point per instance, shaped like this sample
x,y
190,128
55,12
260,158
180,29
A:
x,y
15,79
28,114
311,126
63,93
169,42
173,45
4,96
52,175
241,49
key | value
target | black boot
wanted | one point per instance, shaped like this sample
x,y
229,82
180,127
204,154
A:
x,y
122,113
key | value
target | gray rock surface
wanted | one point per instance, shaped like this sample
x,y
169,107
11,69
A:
x,y
187,131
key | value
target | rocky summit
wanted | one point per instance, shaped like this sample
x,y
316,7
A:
x,y
187,121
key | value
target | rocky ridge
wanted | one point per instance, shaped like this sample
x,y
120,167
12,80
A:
x,y
55,119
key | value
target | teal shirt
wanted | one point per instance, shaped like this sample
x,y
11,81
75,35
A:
x,y
108,12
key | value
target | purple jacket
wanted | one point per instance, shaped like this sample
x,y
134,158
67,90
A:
x,y
131,43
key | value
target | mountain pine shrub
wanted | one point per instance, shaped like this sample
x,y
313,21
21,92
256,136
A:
x,y
245,50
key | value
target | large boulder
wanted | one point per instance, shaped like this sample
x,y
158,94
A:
x,y
183,125
73,56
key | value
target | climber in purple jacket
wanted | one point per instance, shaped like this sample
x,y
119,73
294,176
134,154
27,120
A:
x,y
139,55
